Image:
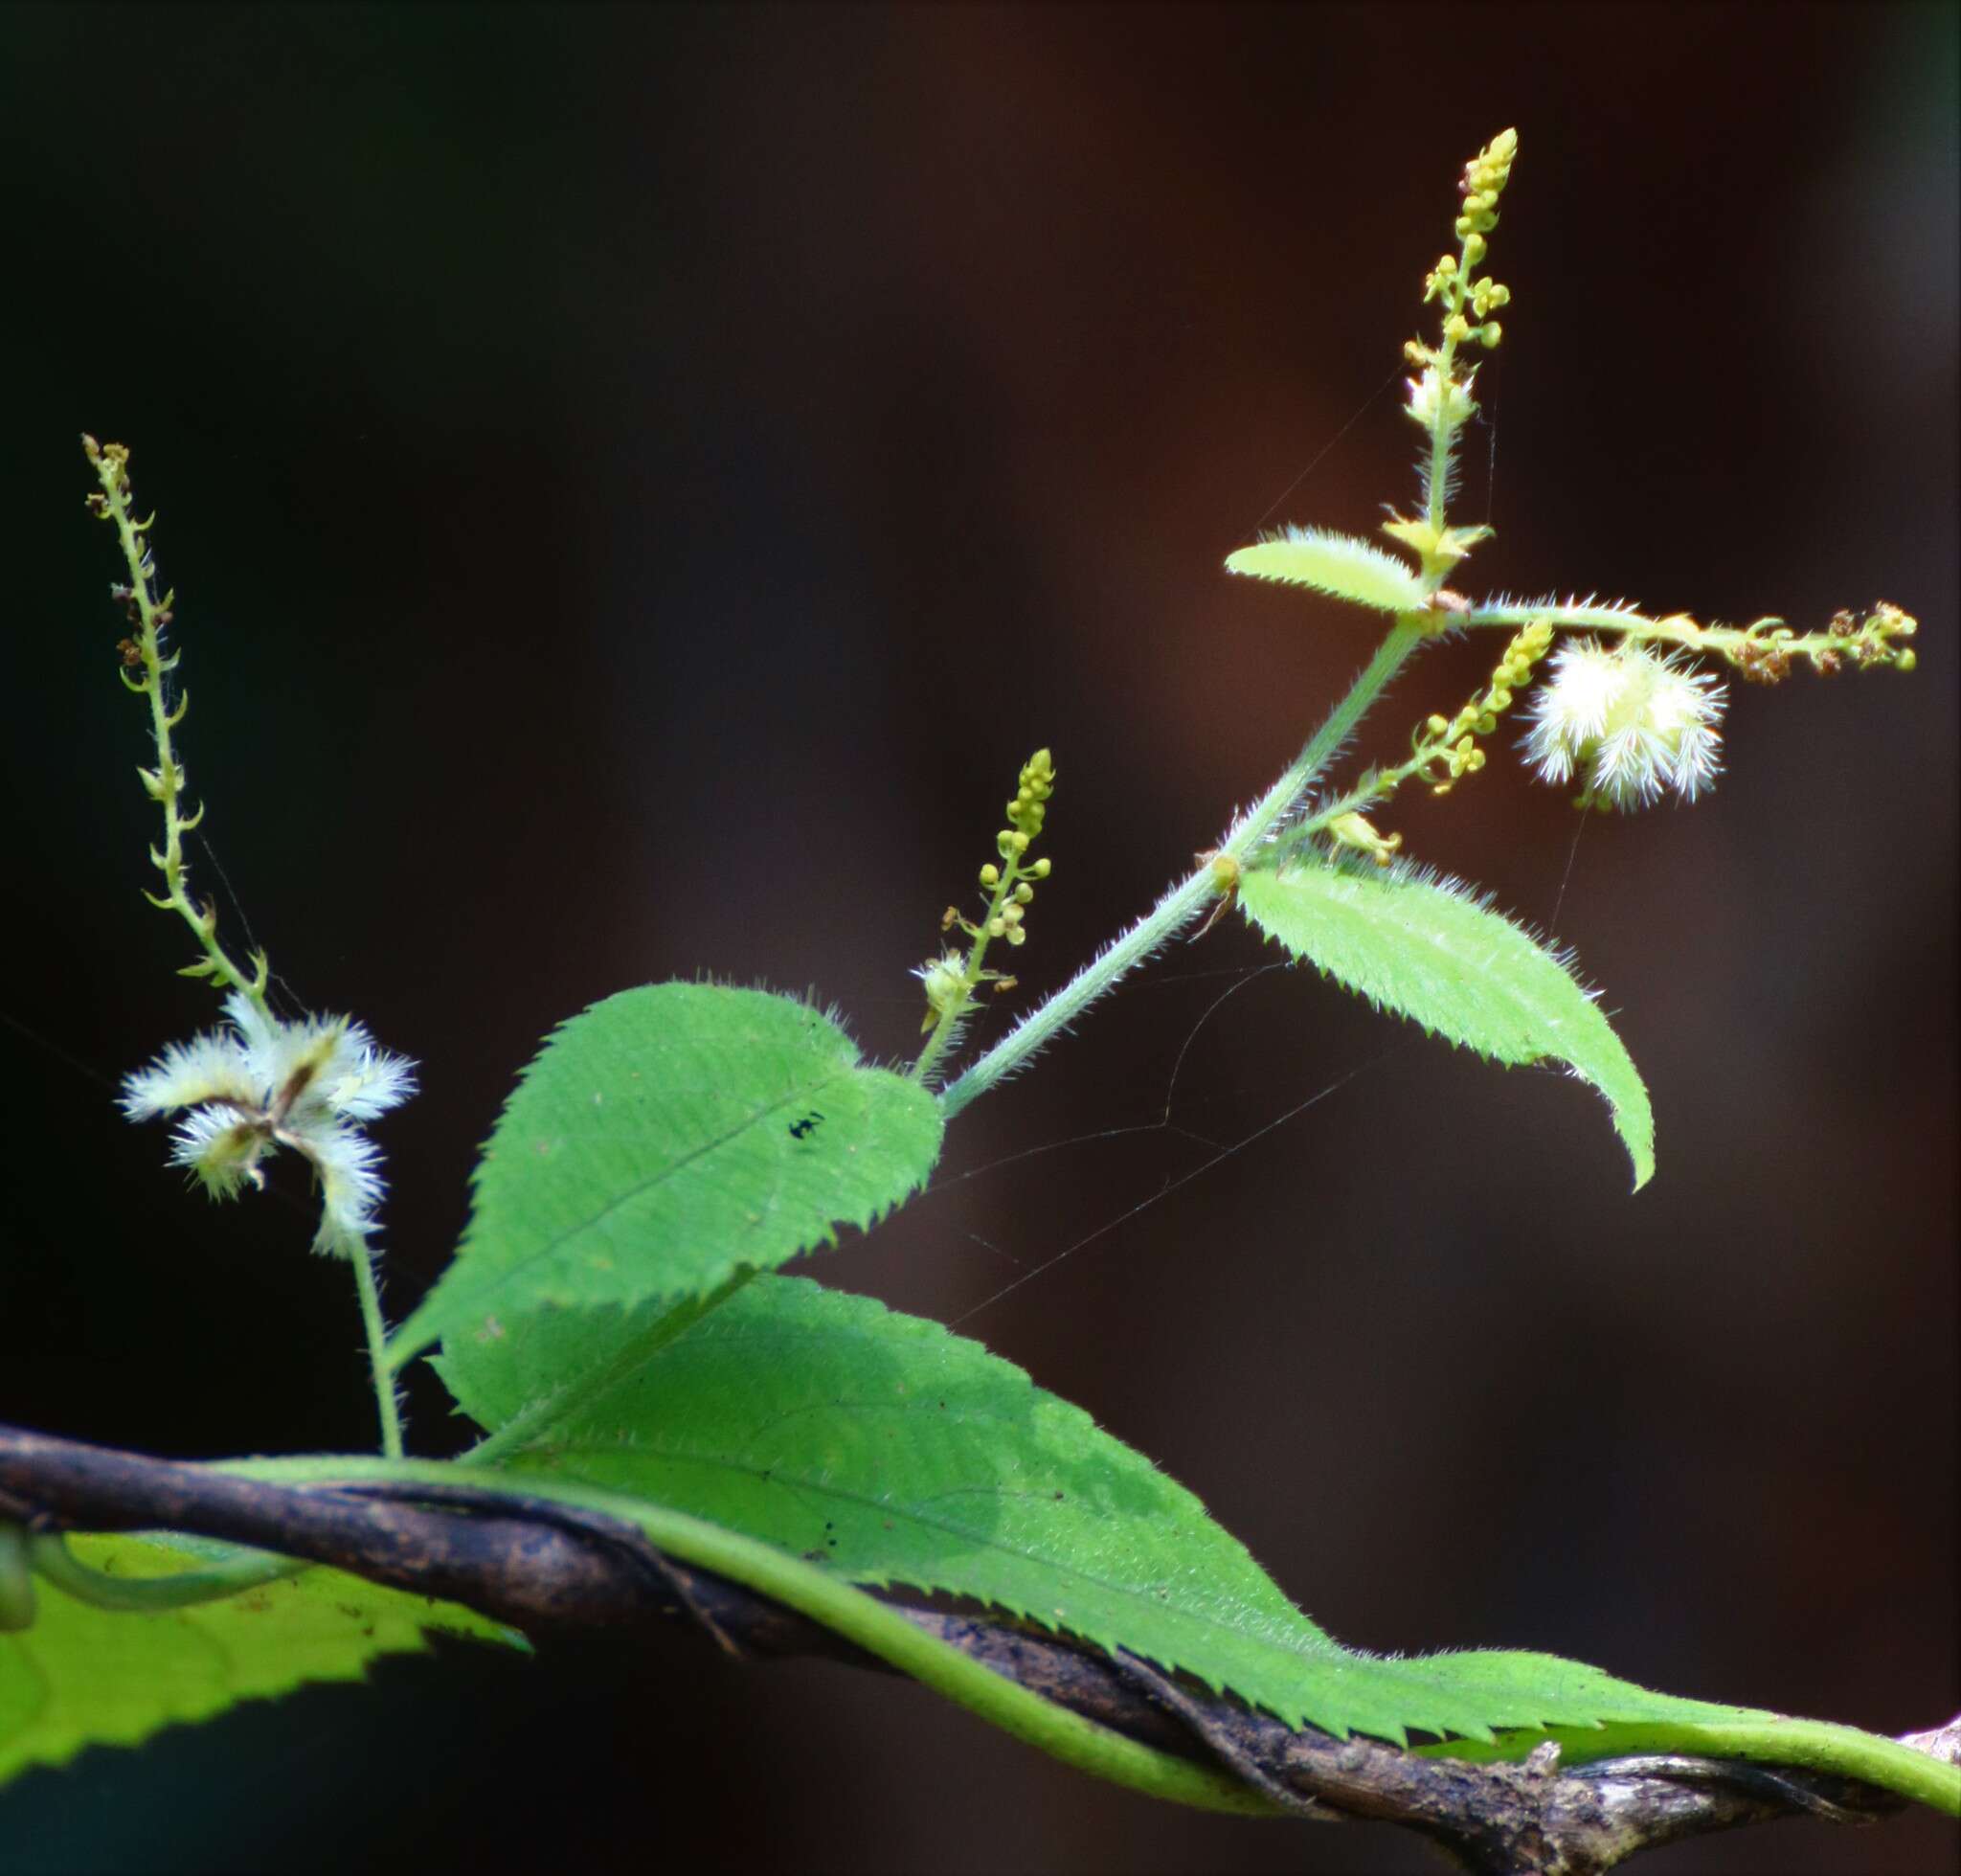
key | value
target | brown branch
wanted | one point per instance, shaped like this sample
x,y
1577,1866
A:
x,y
551,1568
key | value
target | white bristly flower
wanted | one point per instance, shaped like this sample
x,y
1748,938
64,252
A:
x,y
262,1084
1627,722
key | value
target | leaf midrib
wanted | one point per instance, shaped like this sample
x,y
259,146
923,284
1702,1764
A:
x,y
467,1295
1486,983
1321,1646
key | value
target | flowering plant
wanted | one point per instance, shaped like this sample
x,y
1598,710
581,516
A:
x,y
672,1147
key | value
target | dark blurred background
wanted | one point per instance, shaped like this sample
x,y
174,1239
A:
x,y
639,482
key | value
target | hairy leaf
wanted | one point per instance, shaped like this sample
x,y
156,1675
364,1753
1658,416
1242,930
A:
x,y
1337,564
1425,949
888,1450
82,1675
665,1140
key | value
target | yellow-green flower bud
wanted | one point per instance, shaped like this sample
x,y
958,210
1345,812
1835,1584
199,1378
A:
x,y
944,976
1355,830
1039,870
990,876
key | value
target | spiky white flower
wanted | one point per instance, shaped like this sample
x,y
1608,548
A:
x,y
262,1084
1432,397
1627,721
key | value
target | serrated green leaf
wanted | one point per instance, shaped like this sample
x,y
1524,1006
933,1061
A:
x,y
894,1452
1336,564
667,1139
1424,948
82,1675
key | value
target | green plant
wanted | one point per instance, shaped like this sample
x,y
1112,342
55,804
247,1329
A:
x,y
616,1323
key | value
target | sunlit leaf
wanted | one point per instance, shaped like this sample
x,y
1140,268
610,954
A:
x,y
1424,948
82,1675
1336,564
667,1139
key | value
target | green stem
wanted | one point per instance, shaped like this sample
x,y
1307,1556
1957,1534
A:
x,y
524,1426
1596,619
947,1027
366,1288
111,464
874,1626
1723,641
881,1630
1764,649
1801,1745
1443,434
1185,901
147,1595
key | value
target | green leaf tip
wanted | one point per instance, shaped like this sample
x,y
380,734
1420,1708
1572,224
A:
x,y
1426,948
1336,564
665,1139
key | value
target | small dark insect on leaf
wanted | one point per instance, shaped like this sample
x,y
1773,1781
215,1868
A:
x,y
803,1129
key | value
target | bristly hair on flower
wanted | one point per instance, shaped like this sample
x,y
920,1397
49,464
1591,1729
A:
x,y
1628,722
246,1091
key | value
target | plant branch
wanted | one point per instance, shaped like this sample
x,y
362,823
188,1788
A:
x,y
1763,650
144,655
375,1327
1191,895
520,1551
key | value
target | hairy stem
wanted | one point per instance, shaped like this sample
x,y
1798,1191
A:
x,y
369,1290
165,782
1190,896
1763,650
1443,432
